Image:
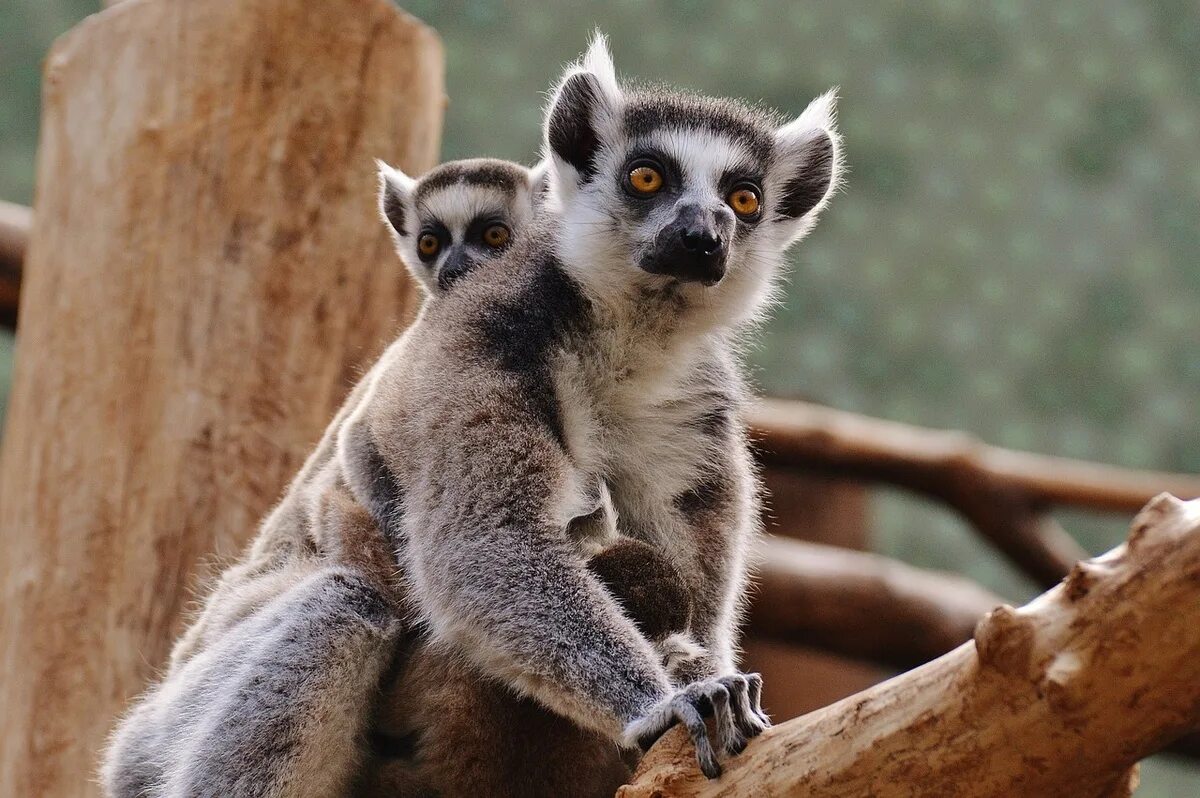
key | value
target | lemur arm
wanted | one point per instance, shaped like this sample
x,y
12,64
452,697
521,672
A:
x,y
493,571
270,691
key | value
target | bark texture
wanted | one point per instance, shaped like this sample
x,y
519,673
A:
x,y
207,274
1060,697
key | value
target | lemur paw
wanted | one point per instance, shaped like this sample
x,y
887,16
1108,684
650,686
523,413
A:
x,y
734,703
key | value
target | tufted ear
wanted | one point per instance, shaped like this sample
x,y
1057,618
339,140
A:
x,y
395,196
582,112
809,151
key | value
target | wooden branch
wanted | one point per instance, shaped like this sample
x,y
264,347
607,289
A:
x,y
1003,494
862,605
207,276
805,435
1060,697
15,223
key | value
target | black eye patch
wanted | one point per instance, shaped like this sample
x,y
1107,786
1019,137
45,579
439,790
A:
x,y
640,205
740,175
480,224
438,230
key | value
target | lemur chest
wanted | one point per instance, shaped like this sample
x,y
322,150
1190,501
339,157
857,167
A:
x,y
648,448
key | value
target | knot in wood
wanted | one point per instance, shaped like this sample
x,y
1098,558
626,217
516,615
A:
x,y
1004,641
1083,576
1160,507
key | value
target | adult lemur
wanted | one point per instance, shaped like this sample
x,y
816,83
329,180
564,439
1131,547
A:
x,y
605,358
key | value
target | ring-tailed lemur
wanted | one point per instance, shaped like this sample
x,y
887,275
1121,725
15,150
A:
x,y
605,354
601,348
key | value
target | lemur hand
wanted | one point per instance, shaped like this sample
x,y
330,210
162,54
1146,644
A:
x,y
733,701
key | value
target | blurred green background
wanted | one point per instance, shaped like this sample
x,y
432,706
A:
x,y
1017,251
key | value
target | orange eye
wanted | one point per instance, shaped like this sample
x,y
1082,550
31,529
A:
x,y
744,201
496,236
428,245
645,179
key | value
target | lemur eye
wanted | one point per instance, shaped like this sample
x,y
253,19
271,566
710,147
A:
x,y
744,201
428,245
645,179
496,236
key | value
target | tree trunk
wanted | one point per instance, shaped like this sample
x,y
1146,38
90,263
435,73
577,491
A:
x,y
1061,697
207,275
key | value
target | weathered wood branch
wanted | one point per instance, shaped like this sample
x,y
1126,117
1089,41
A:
x,y
15,224
1060,697
862,605
207,276
1003,494
804,435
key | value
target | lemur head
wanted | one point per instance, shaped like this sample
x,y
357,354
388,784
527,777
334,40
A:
x,y
457,215
661,192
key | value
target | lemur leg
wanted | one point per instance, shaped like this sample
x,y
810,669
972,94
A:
x,y
496,574
272,694
445,728
277,706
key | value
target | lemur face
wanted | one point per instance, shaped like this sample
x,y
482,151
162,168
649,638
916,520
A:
x,y
456,216
679,188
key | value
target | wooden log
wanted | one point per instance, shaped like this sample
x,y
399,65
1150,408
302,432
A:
x,y
808,436
862,605
949,467
207,275
816,508
1060,697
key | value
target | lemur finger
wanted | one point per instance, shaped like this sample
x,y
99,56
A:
x,y
755,684
743,713
689,715
655,725
729,738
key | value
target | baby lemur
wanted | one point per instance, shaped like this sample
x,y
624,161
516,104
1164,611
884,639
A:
x,y
457,215
599,350
316,556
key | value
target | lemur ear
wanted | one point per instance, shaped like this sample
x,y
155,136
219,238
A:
x,y
810,150
395,194
582,110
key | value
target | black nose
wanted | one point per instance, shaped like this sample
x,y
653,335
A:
x,y
693,247
702,241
